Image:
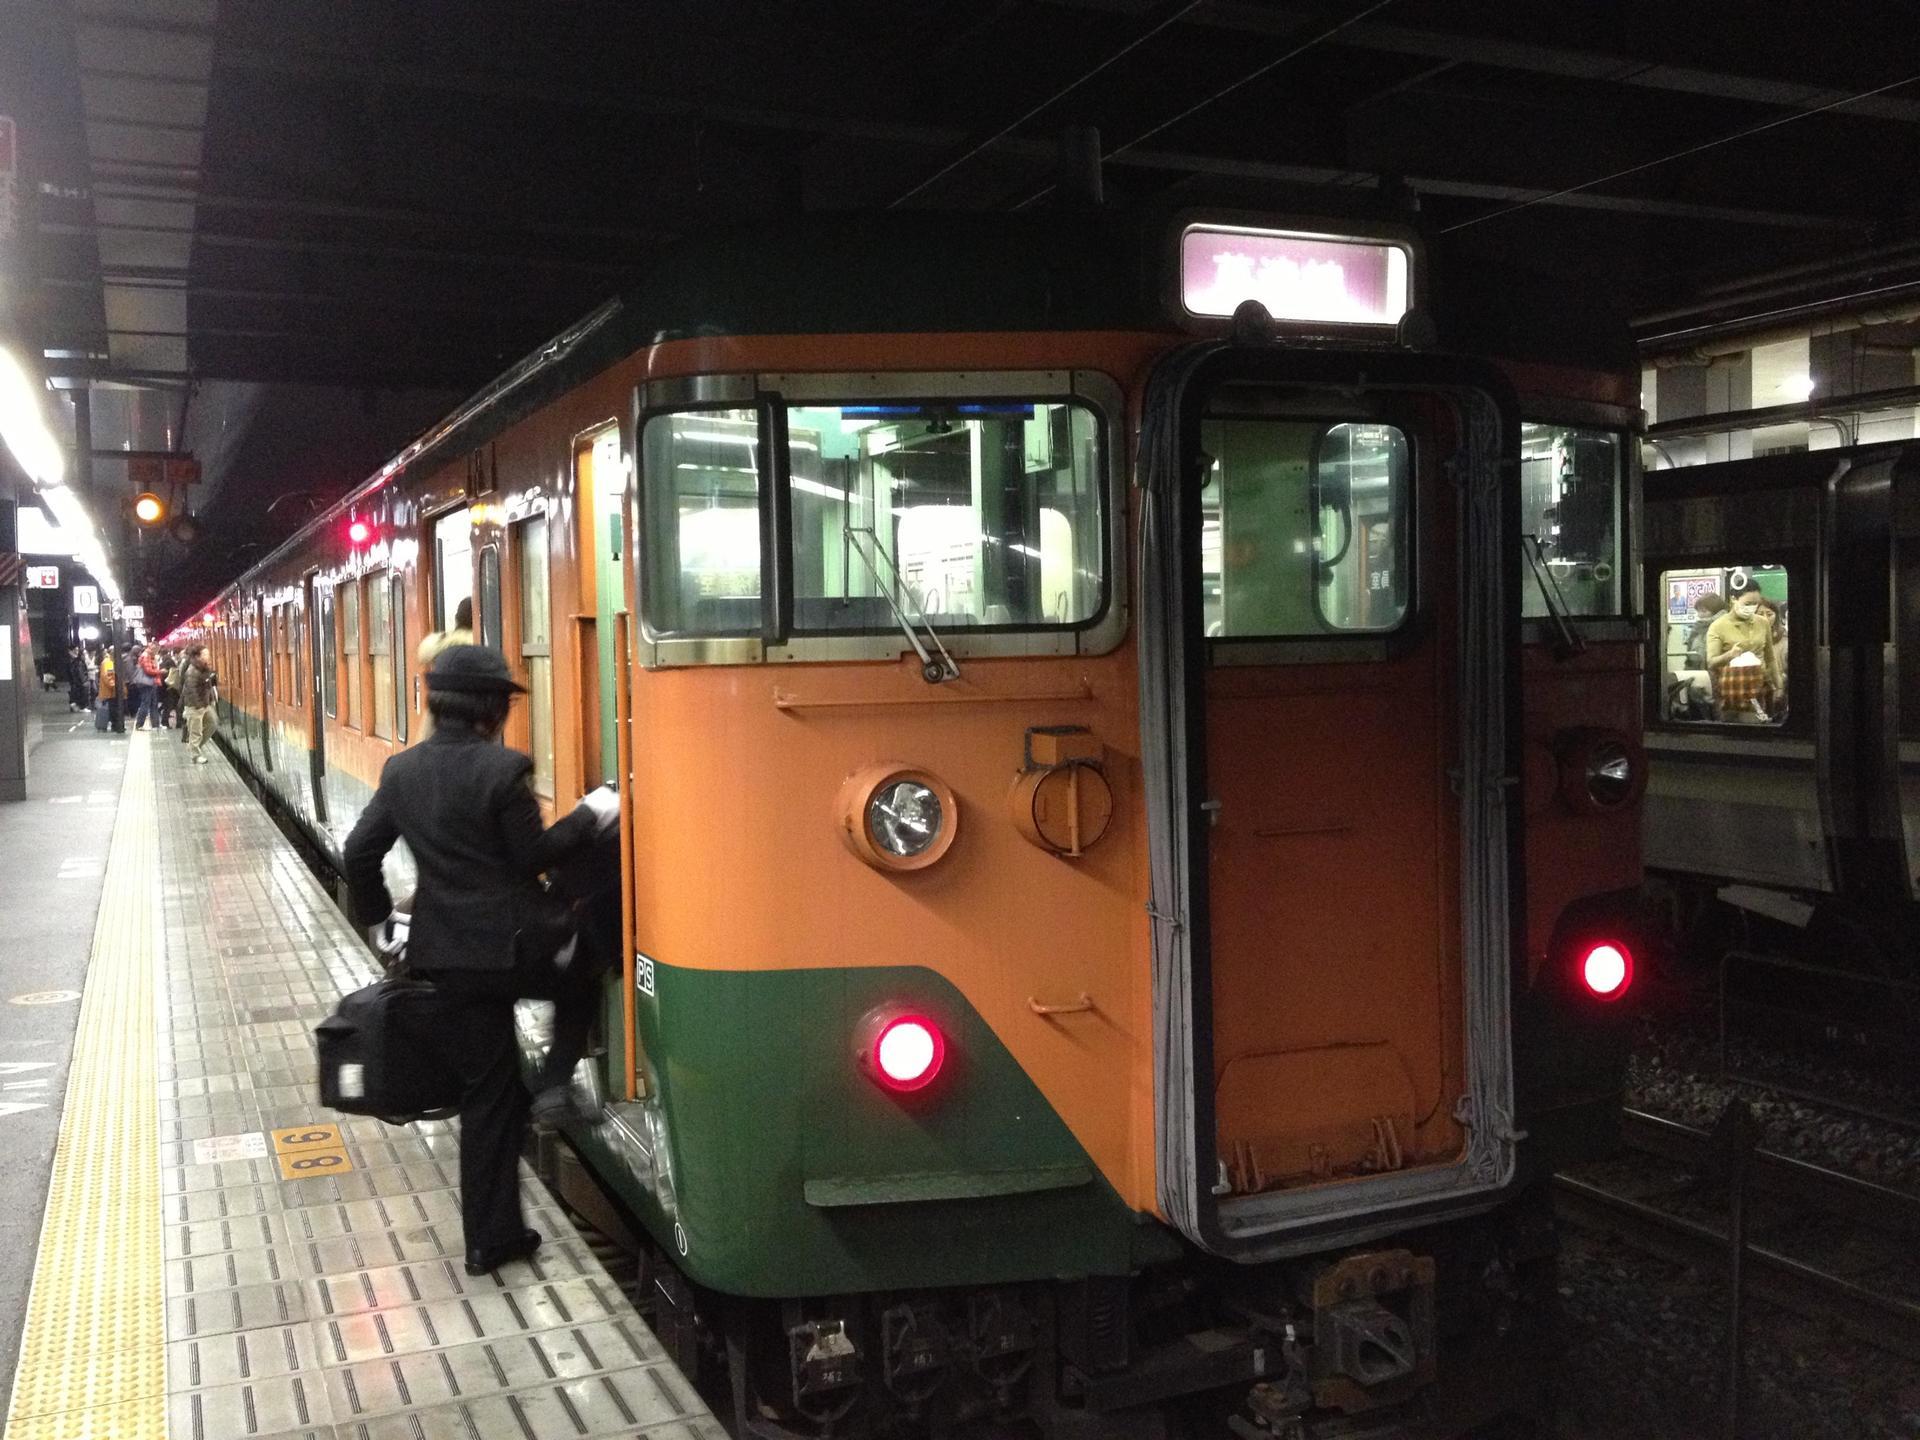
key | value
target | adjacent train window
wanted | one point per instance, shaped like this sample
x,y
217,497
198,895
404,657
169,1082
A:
x,y
536,647
1304,528
380,652
1571,484
971,515
329,666
1725,644
348,598
702,572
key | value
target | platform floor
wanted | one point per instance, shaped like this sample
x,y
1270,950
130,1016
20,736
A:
x,y
221,1257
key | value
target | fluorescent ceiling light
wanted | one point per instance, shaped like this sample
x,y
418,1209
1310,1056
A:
x,y
23,423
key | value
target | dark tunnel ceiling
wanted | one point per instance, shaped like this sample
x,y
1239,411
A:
x,y
406,194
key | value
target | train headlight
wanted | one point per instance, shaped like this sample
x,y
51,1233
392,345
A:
x,y
1601,771
905,817
897,818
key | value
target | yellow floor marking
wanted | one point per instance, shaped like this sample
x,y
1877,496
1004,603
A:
x,y
311,1164
93,1350
306,1137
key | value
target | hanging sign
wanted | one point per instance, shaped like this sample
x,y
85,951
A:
x,y
86,600
43,577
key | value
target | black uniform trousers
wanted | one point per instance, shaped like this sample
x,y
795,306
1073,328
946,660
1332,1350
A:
x,y
477,1041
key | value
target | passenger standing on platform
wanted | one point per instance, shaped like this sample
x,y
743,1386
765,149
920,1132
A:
x,y
79,679
199,688
483,929
145,678
109,692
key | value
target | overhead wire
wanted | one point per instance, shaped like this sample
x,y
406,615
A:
x,y
1318,38
1048,103
1703,146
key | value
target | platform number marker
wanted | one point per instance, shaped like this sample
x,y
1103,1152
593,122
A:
x,y
307,1151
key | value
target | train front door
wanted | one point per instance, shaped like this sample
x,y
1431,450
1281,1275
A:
x,y
1341,658
600,597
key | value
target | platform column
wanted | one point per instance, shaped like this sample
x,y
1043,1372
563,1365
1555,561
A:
x,y
16,651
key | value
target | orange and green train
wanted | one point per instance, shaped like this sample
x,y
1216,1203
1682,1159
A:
x,y
1130,735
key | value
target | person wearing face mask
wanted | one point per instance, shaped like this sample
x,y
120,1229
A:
x,y
1744,687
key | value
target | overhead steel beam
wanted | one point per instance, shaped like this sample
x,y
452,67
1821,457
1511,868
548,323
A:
x,y
214,240
490,301
1533,57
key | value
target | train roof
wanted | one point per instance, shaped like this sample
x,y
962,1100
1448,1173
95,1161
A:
x,y
925,272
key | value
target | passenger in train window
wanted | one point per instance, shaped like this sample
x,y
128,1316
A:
x,y
1744,663
1705,610
484,930
435,641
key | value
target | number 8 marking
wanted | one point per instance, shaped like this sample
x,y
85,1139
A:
x,y
315,1162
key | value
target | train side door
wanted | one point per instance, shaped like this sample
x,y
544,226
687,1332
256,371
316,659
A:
x,y
263,634
599,596
1343,657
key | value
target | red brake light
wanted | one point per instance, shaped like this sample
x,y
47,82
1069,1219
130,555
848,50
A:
x,y
908,1052
359,532
1607,969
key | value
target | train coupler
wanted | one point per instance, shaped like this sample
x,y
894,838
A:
x,y
1373,1330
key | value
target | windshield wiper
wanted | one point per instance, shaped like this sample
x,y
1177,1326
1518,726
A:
x,y
936,664
1567,641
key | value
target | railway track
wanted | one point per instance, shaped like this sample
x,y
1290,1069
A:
x,y
1880,1319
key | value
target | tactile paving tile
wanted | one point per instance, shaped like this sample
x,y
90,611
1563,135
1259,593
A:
x,y
334,1306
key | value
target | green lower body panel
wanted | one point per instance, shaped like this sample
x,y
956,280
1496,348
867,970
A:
x,y
782,1169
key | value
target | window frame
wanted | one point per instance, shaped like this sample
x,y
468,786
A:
x,y
402,704
325,623
769,395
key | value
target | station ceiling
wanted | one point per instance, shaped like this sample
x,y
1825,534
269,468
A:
x,y
364,209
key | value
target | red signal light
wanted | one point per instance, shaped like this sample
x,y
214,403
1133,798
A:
x,y
359,532
908,1052
1607,970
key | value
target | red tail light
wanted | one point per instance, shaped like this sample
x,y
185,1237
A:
x,y
359,532
907,1052
1607,970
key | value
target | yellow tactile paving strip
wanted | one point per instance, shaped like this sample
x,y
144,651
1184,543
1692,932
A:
x,y
93,1351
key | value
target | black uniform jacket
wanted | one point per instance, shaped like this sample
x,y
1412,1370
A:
x,y
465,808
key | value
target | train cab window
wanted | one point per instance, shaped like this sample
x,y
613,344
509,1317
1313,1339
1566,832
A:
x,y
536,647
380,652
970,515
1304,528
702,539
1571,488
1725,644
347,596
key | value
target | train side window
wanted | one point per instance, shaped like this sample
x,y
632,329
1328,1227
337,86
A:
x,y
489,617
1725,632
329,664
701,488
347,595
1571,487
399,659
1304,528
536,647
380,652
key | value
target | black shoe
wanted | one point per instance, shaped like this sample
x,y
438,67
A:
x,y
485,1262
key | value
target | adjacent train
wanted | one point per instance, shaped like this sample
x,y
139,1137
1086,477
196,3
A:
x,y
1131,729
1786,791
